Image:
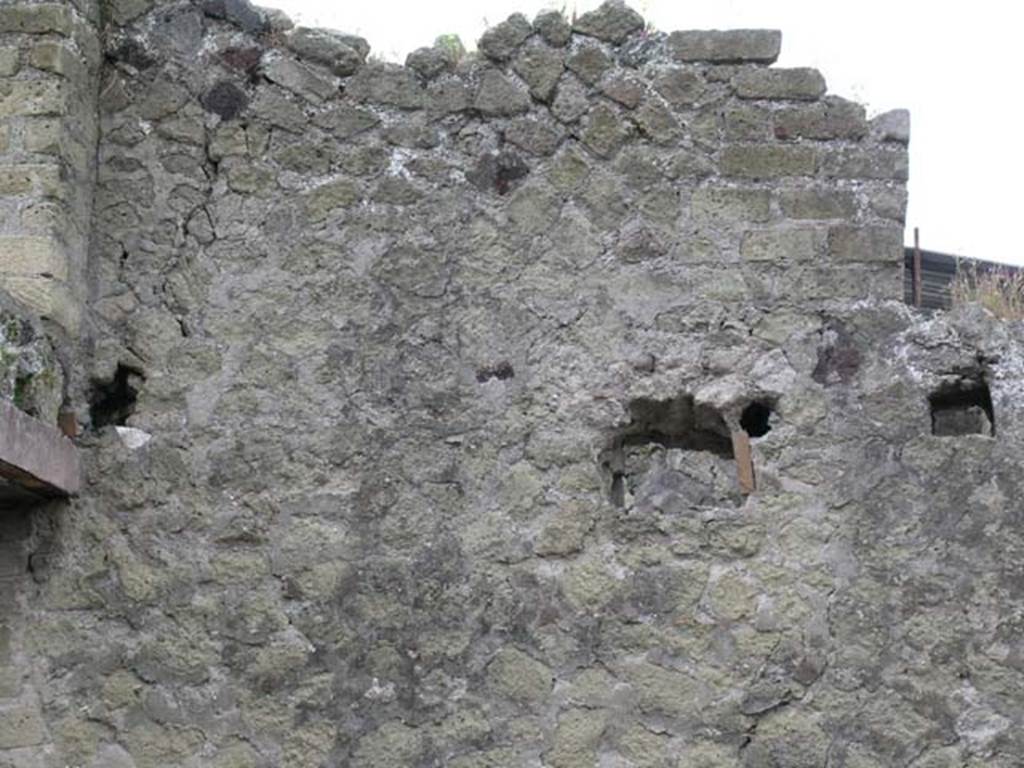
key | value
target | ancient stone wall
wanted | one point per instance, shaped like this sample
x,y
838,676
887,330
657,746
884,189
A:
x,y
435,384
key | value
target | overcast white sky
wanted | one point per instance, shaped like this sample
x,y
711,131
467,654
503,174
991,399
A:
x,y
955,66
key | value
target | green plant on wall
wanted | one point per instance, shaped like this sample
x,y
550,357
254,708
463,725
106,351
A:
x,y
451,45
30,376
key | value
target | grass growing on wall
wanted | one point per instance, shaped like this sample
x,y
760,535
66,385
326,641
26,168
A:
x,y
1001,291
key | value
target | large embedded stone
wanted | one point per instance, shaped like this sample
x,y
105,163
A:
x,y
540,67
604,131
32,97
832,118
520,677
553,27
342,54
727,206
21,726
274,107
799,84
893,126
238,12
571,101
818,204
576,738
589,62
125,11
680,87
782,245
37,18
429,62
9,61
500,42
883,164
299,79
656,121
321,201
498,172
387,85
226,100
726,46
624,89
639,243
346,121
767,161
534,136
498,96
848,243
613,22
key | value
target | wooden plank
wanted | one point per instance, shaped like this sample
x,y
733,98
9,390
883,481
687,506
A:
x,y
37,457
744,461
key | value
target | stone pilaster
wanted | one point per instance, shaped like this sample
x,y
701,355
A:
x,y
49,60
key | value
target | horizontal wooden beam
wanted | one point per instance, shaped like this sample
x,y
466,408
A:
x,y
37,457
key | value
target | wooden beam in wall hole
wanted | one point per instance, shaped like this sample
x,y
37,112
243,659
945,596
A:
x,y
744,461
67,423
37,457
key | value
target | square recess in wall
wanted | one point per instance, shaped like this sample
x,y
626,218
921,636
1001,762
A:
x,y
962,407
674,454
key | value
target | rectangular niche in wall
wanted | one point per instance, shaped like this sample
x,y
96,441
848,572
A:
x,y
674,454
962,407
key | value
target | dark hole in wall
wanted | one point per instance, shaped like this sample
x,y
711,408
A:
x,y
678,423
113,401
672,450
756,419
501,371
131,51
963,407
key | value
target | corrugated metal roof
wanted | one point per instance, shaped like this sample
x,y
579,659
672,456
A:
x,y
937,273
